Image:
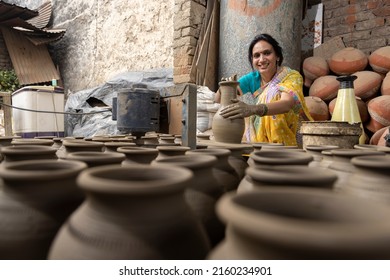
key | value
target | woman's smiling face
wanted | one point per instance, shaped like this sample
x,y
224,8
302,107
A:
x,y
264,59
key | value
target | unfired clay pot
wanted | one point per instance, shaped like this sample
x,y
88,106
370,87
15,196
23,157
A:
x,y
306,224
132,212
93,159
27,152
370,178
138,155
36,197
202,192
279,157
226,130
319,159
258,179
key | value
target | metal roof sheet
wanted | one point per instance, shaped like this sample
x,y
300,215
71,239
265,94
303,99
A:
x,y
43,17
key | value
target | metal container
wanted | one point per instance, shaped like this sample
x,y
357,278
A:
x,y
138,110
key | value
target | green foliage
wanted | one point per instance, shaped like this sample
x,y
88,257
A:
x,y
8,81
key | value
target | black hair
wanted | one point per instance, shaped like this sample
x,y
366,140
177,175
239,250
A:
x,y
269,39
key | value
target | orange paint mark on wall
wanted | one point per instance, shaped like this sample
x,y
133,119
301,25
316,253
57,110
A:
x,y
242,7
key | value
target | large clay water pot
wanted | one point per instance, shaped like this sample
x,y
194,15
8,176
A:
x,y
132,212
301,223
36,197
226,130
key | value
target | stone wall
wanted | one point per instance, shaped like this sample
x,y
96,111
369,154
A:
x,y
362,24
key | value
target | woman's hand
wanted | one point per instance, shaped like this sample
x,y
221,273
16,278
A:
x,y
239,110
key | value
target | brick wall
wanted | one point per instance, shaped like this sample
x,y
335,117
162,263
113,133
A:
x,y
362,24
188,17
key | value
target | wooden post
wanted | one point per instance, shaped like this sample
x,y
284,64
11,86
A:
x,y
7,113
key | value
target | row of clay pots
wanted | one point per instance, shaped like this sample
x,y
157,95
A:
x,y
166,208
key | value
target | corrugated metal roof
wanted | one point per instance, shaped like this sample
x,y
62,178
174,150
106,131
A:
x,y
44,15
32,64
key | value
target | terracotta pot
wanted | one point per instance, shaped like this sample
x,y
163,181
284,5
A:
x,y
385,87
318,109
226,130
380,60
202,192
132,212
36,197
259,179
362,107
296,223
342,166
379,110
325,87
314,67
97,158
223,171
367,84
370,178
138,155
378,135
347,61
384,138
27,152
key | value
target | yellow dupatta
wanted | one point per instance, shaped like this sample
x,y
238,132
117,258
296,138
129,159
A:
x,y
281,128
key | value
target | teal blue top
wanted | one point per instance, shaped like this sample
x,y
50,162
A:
x,y
250,82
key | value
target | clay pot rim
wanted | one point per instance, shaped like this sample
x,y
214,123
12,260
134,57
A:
x,y
30,149
191,161
321,148
172,148
349,153
82,143
93,156
292,175
373,161
218,152
40,170
281,157
137,150
32,141
134,179
328,235
118,143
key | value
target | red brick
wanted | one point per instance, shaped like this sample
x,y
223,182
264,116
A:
x,y
373,4
382,12
351,19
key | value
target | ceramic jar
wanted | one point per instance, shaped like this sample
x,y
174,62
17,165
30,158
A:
x,y
318,109
36,197
378,108
27,152
226,130
266,158
258,179
223,171
113,146
379,60
319,159
367,84
138,155
32,141
347,61
202,192
325,87
314,67
93,159
370,178
342,166
71,146
132,212
169,151
296,223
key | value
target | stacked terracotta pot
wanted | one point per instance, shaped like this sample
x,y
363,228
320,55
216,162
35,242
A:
x,y
372,87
